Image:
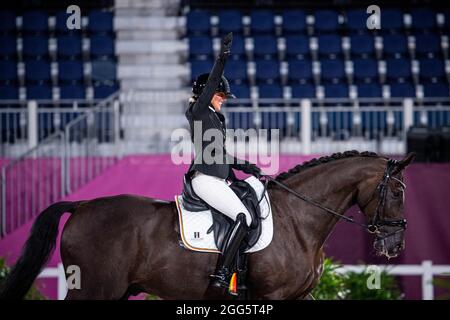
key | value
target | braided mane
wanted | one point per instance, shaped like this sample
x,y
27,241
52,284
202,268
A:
x,y
315,162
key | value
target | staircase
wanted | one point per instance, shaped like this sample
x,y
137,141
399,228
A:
x,y
153,72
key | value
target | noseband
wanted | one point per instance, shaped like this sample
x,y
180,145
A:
x,y
377,221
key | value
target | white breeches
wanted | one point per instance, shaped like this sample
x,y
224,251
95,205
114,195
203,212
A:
x,y
216,193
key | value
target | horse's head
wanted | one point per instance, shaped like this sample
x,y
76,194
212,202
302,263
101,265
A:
x,y
382,202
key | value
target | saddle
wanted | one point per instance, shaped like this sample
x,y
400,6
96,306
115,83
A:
x,y
221,223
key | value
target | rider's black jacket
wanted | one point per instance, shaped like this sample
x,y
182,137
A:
x,y
202,113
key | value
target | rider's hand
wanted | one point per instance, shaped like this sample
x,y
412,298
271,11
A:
x,y
225,47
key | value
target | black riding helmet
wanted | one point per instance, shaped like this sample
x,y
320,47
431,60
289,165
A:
x,y
200,83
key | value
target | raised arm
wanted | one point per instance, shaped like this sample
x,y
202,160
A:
x,y
215,76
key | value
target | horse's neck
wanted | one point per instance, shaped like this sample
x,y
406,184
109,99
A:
x,y
333,185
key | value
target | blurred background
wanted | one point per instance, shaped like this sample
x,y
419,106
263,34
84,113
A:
x,y
92,91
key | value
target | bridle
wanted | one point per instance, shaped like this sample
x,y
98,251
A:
x,y
377,221
382,188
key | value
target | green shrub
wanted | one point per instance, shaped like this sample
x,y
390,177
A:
x,y
444,283
353,286
32,294
331,285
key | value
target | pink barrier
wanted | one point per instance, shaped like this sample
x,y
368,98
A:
x,y
33,184
155,176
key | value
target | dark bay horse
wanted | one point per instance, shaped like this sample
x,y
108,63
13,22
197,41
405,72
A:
x,y
128,244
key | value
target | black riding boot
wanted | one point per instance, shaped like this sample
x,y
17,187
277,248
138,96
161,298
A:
x,y
230,248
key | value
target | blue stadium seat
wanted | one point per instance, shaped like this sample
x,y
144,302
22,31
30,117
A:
x,y
198,22
104,91
428,45
200,47
100,21
398,69
338,90
265,46
230,21
297,46
262,21
395,45
69,46
436,90
8,71
330,45
332,69
447,19
35,22
61,23
35,46
300,91
294,22
241,120
326,21
369,90
39,92
8,47
45,119
391,20
362,45
200,66
423,19
9,122
103,71
432,68
300,71
356,20
365,69
338,121
401,90
102,45
236,70
271,120
270,91
241,91
373,121
238,48
70,71
267,70
72,92
37,71
7,22
9,92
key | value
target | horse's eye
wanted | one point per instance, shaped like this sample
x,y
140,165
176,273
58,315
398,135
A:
x,y
396,194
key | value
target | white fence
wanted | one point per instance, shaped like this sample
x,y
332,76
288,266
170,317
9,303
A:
x,y
426,270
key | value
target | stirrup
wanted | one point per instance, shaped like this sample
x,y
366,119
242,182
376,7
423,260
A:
x,y
220,279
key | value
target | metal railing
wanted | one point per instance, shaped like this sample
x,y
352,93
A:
x,y
316,125
60,164
24,123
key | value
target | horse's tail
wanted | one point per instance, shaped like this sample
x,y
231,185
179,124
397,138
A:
x,y
36,251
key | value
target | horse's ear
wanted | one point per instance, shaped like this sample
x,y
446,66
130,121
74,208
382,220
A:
x,y
402,164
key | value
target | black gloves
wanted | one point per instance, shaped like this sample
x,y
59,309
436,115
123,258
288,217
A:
x,y
225,48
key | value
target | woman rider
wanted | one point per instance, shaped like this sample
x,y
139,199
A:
x,y
209,174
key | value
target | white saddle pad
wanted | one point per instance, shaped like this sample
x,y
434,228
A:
x,y
194,225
